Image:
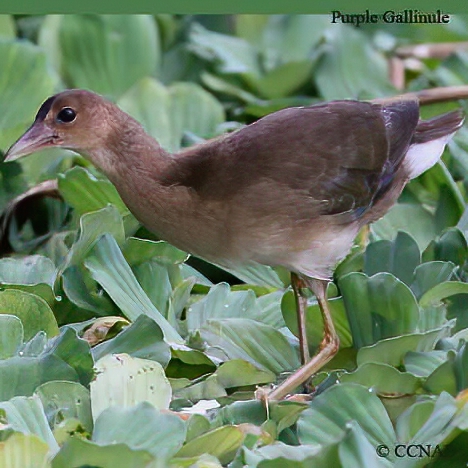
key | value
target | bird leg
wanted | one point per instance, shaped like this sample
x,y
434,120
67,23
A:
x,y
328,347
363,236
298,284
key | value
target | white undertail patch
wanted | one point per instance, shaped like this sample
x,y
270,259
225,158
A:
x,y
422,156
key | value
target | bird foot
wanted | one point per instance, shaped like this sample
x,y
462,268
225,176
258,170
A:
x,y
300,397
262,394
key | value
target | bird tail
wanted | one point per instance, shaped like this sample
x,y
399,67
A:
x,y
429,140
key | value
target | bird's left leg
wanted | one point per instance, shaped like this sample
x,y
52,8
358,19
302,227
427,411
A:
x,y
328,347
298,284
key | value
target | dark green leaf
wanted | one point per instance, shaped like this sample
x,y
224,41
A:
x,y
26,83
399,257
378,307
143,339
109,268
106,53
259,344
142,427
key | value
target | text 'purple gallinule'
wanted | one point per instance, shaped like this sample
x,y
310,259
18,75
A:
x,y
292,189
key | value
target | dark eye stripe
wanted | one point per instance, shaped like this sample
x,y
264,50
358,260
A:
x,y
45,108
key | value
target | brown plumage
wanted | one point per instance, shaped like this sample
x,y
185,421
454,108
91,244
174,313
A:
x,y
292,189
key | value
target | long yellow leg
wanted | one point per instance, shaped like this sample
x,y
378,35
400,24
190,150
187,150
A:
x,y
328,347
298,284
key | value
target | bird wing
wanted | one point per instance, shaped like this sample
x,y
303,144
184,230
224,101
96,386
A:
x,y
340,155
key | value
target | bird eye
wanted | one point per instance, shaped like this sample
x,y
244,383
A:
x,y
66,115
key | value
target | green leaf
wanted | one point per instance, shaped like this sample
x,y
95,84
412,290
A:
x,y
441,426
24,451
270,309
80,288
351,67
189,363
442,379
221,303
325,420
383,379
285,79
282,38
275,64
437,187
74,351
442,291
196,426
202,461
155,282
286,413
411,420
392,350
458,149
26,83
167,113
461,368
180,296
34,312
194,110
142,427
79,453
85,193
314,320
230,54
125,381
148,101
66,357
227,88
207,389
143,339
422,364
407,217
254,342
378,307
106,53
109,268
7,27
453,70
451,246
399,257
238,373
450,204
137,251
38,370
34,273
278,455
429,275
26,415
11,335
222,442
356,451
452,375
64,400
260,275
92,226
250,411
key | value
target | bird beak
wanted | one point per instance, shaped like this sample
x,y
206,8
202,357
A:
x,y
38,136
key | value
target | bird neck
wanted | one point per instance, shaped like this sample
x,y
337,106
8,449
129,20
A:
x,y
137,166
130,154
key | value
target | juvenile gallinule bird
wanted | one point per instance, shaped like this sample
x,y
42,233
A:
x,y
292,189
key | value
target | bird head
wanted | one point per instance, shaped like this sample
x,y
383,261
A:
x,y
75,119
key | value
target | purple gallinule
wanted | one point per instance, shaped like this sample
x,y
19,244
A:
x,y
292,189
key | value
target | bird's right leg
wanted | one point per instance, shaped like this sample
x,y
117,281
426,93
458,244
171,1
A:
x,y
298,285
328,347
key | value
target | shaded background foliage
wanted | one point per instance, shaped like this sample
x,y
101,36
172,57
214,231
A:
x,y
105,328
